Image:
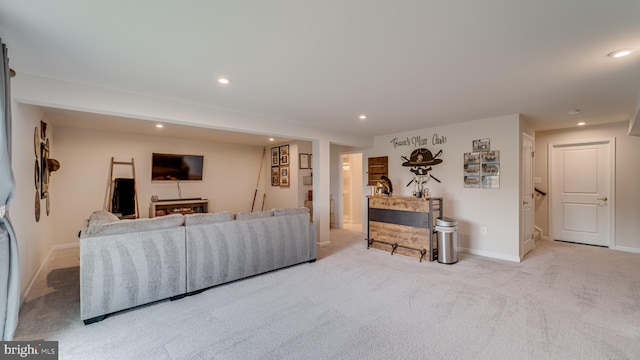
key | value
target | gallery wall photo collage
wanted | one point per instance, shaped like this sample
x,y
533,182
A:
x,y
482,166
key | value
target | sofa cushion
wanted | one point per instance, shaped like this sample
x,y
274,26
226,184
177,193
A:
x,y
254,215
206,218
127,226
290,211
99,218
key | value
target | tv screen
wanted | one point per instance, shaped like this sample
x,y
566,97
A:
x,y
174,167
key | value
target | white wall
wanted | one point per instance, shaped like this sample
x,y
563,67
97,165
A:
x,y
304,147
280,197
336,178
230,174
36,90
34,240
627,199
496,209
80,185
356,188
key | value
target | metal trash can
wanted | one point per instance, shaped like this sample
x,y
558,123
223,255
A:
x,y
447,229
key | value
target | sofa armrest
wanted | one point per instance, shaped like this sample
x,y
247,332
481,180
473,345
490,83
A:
x,y
120,271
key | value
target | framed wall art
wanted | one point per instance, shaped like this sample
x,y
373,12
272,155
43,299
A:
x,y
481,145
304,161
284,176
275,156
275,176
472,170
490,162
482,168
284,155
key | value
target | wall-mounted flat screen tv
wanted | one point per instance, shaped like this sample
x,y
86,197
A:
x,y
174,167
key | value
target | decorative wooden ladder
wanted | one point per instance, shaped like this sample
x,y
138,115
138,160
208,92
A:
x,y
109,200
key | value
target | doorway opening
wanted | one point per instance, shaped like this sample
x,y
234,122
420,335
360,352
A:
x,y
351,165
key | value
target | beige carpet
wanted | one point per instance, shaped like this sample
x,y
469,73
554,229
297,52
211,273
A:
x,y
565,301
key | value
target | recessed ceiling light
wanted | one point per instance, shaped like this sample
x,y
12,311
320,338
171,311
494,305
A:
x,y
272,139
362,117
224,80
581,123
573,112
619,53
159,126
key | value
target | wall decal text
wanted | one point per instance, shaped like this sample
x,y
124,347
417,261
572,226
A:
x,y
418,141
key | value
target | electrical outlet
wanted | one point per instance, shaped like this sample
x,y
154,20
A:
x,y
483,231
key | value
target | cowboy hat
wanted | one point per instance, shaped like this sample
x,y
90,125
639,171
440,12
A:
x,y
421,157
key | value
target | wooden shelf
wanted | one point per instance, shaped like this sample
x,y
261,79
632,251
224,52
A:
x,y
161,208
376,168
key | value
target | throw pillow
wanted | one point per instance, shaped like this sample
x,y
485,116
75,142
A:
x,y
99,218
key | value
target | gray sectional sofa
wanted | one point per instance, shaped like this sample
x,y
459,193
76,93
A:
x,y
127,263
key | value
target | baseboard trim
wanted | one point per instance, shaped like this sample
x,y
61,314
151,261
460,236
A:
x,y
24,295
626,249
490,254
324,243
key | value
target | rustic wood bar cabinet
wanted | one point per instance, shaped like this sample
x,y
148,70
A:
x,y
403,225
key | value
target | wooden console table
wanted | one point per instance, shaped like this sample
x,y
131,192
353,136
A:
x,y
168,207
403,225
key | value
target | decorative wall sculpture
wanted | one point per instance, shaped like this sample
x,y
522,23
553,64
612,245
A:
x,y
421,162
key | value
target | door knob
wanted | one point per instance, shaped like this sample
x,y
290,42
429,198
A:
x,y
604,198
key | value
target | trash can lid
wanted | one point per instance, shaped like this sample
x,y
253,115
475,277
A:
x,y
446,221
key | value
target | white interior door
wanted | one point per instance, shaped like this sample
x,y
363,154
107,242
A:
x,y
582,192
527,242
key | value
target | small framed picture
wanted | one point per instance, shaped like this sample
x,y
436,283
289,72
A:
x,y
490,169
284,176
275,176
491,156
275,156
472,158
481,145
310,161
284,155
472,170
472,181
491,182
304,161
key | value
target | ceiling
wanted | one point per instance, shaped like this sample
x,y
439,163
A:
x,y
86,120
406,64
